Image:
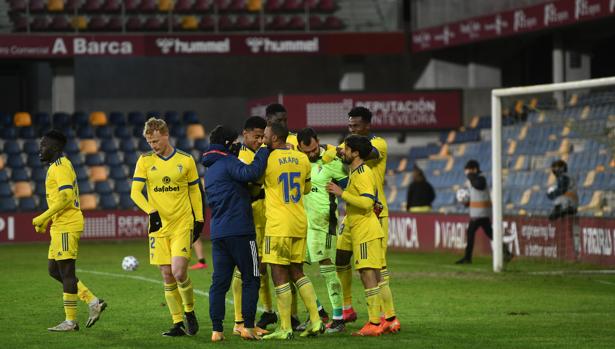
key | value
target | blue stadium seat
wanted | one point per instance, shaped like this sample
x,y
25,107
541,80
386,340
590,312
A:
x,y
123,132
6,120
85,132
11,147
76,159
108,146
190,117
61,120
82,173
122,186
81,118
117,118
127,145
153,114
136,118
108,202
85,187
126,202
70,133
201,144
15,161
94,160
117,173
28,132
20,175
42,120
39,190
130,159
113,159
184,144
137,131
27,204
172,118
8,133
34,162
178,132
103,187
30,147
4,176
143,145
5,190
104,132
7,205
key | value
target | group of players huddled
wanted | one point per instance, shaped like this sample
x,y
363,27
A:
x,y
274,207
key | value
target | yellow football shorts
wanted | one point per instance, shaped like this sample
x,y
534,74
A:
x,y
163,248
368,254
282,250
64,245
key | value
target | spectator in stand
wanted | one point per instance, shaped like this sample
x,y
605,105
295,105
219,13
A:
x,y
420,193
563,193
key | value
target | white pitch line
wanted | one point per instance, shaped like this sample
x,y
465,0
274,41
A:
x,y
605,282
153,281
562,272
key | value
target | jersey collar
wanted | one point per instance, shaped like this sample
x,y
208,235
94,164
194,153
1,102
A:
x,y
358,167
168,157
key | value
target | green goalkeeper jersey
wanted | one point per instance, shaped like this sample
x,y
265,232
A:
x,y
320,206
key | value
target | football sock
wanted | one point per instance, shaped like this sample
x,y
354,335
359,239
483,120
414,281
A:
x,y
264,294
344,273
373,304
308,295
387,299
236,288
334,288
85,294
70,306
293,305
284,297
174,302
186,292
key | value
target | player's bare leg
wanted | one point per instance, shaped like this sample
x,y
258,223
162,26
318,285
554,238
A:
x,y
344,273
66,271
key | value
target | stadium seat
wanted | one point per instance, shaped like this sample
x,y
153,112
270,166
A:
x,y
130,159
126,202
28,132
103,187
143,145
201,144
123,132
4,175
7,204
108,202
15,161
85,187
42,120
85,132
92,6
296,23
136,118
20,175
127,145
189,23
27,204
117,173
88,202
88,146
247,23
60,23
165,5
76,159
134,24
172,118
55,5
98,173
94,159
276,23
72,5
104,132
148,6
22,189
115,24
98,118
113,159
80,118
178,132
1,163
183,6
72,147
207,23
108,146
184,144
153,24
117,118
17,5
203,6
81,173
60,120
122,186
8,133
195,131
22,119
5,190
11,147
34,162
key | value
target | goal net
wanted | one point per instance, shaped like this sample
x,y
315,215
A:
x,y
553,172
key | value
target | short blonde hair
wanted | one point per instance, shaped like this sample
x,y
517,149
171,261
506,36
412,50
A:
x,y
153,124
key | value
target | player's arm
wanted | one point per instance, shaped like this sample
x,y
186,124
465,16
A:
x,y
365,200
252,172
339,173
379,149
194,192
308,179
136,189
65,198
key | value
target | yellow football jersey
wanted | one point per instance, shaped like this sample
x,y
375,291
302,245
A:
x,y
246,155
167,181
61,176
362,221
292,140
286,179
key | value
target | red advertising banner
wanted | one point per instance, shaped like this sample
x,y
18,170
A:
x,y
391,111
548,15
63,46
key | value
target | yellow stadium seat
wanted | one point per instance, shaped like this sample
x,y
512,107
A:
x,y
22,190
195,131
88,146
190,23
165,5
1,162
255,5
79,22
22,119
98,173
55,5
88,201
98,118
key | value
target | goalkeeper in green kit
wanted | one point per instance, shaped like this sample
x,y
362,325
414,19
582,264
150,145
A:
x,y
321,209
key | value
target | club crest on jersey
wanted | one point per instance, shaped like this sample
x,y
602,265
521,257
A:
x,y
180,168
166,180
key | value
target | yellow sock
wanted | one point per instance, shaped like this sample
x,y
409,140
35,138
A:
x,y
186,291
373,304
306,290
293,304
264,294
84,293
236,288
174,302
70,306
344,273
284,298
387,299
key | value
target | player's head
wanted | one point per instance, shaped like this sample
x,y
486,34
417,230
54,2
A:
x,y
223,135
559,167
276,113
417,174
308,143
472,166
254,132
156,133
275,135
359,121
356,146
51,146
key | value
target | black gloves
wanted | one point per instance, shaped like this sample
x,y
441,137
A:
x,y
155,223
198,228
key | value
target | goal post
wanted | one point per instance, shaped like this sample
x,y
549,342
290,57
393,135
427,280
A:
x,y
496,147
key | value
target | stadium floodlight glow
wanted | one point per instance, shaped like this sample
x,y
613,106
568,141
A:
x,y
496,146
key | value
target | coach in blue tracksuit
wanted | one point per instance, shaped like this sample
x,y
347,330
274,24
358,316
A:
x,y
232,226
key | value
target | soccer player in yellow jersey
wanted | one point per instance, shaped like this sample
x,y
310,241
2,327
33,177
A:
x,y
66,220
253,134
174,205
359,122
276,113
286,180
361,227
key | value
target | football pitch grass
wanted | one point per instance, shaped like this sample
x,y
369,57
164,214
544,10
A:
x,y
440,305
